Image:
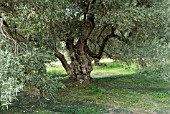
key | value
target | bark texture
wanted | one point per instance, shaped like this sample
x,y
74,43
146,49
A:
x,y
81,66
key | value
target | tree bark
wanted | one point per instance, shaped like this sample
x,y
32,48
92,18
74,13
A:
x,y
81,63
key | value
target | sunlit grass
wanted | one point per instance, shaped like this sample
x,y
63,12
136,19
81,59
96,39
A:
x,y
105,69
121,87
55,69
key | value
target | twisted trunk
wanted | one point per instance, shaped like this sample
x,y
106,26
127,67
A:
x,y
80,66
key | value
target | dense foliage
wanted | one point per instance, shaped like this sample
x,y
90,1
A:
x,y
10,72
23,71
128,30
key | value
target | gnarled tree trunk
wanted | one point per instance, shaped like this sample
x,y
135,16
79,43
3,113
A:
x,y
80,54
81,67
81,63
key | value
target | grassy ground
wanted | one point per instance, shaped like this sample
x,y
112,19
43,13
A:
x,y
115,90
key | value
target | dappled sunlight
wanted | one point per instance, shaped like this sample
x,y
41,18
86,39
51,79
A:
x,y
55,68
84,56
106,68
121,89
113,93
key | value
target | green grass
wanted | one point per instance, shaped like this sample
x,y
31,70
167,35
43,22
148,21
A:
x,y
54,69
116,89
104,70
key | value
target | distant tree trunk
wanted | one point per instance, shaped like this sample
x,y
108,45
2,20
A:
x,y
96,61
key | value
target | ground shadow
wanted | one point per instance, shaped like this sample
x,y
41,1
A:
x,y
137,82
32,104
76,100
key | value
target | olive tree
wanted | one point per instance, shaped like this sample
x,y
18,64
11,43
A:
x,y
128,29
22,67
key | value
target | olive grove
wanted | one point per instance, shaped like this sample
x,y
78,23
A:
x,y
130,30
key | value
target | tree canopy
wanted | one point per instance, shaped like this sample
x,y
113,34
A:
x,y
130,30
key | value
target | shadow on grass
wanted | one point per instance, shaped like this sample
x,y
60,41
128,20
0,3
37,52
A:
x,y
100,97
28,104
79,107
137,82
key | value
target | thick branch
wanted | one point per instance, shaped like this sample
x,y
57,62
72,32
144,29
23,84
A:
x,y
99,55
104,42
123,39
69,42
120,38
89,23
102,30
86,11
61,57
